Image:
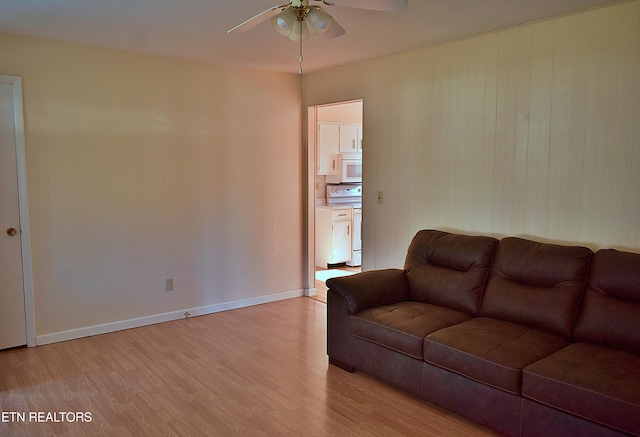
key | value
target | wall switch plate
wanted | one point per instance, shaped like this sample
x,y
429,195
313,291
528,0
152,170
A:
x,y
169,284
380,198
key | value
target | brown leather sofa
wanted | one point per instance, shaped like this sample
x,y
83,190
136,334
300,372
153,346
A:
x,y
527,338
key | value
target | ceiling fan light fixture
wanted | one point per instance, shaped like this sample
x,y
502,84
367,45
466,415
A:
x,y
284,22
299,30
319,20
292,19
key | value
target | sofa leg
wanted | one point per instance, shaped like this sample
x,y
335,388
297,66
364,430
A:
x,y
342,365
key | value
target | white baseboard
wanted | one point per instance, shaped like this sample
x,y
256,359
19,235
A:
x,y
105,328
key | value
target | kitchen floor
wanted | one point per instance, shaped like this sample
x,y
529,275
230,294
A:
x,y
324,273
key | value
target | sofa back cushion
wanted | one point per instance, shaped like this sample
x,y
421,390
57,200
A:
x,y
610,310
537,284
448,269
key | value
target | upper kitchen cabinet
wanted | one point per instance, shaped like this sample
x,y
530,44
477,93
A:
x,y
350,138
328,147
334,138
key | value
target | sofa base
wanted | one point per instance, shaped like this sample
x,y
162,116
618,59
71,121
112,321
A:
x,y
543,420
341,364
479,403
399,370
472,400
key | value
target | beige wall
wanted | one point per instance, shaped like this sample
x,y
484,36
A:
x,y
531,131
143,168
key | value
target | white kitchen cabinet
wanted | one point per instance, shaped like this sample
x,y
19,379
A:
x,y
334,138
333,235
328,147
349,138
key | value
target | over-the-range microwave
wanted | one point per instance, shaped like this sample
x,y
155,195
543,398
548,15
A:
x,y
349,169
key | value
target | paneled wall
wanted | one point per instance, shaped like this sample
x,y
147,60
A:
x,y
532,131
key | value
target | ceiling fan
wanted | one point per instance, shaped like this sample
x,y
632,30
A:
x,y
293,17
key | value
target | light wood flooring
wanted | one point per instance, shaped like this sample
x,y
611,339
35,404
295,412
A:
x,y
257,371
322,287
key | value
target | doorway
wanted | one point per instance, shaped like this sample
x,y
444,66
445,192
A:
x,y
17,326
341,122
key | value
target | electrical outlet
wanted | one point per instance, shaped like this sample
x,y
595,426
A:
x,y
168,284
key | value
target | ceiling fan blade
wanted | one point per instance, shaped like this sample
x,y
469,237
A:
x,y
376,5
254,21
334,30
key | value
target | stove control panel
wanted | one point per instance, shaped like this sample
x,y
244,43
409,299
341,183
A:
x,y
344,191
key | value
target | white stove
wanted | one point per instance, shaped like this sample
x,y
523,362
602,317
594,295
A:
x,y
345,194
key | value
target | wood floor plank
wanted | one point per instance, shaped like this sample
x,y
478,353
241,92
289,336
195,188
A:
x,y
257,371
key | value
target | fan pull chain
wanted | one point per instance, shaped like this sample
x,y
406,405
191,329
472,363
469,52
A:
x,y
300,60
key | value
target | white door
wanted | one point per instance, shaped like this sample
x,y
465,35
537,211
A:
x,y
13,331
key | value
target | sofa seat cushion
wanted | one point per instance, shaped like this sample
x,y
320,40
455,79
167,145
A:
x,y
490,351
590,381
402,326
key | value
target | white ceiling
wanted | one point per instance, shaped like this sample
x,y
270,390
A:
x,y
196,29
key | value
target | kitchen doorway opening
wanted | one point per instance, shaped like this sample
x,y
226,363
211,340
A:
x,y
334,210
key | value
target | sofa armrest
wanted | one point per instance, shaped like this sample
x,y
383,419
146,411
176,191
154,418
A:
x,y
371,289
